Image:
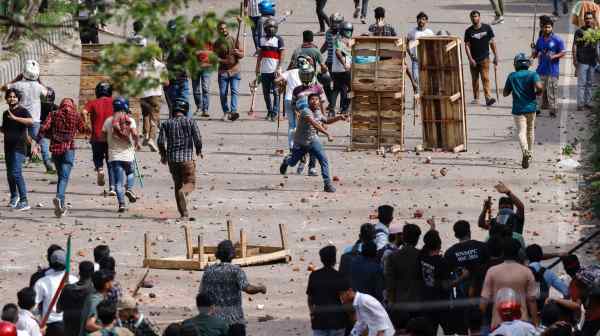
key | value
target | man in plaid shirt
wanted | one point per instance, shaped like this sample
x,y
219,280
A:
x,y
176,142
61,127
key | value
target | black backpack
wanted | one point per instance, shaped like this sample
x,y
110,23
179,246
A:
x,y
543,286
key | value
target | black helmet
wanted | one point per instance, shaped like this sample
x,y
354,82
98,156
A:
x,y
335,20
271,26
50,96
346,29
103,89
306,72
181,106
521,61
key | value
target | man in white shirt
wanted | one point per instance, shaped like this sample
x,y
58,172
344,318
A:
x,y
46,287
370,314
27,322
292,80
121,135
150,101
413,35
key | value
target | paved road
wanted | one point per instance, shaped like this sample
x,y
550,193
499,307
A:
x,y
239,180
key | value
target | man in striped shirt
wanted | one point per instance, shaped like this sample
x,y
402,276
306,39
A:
x,y
176,142
268,64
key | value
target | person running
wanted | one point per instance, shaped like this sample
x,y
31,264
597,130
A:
x,y
549,49
61,127
306,139
323,19
48,106
498,6
95,113
268,65
328,46
584,63
524,85
342,62
32,91
229,54
291,79
177,140
414,34
150,100
478,39
120,132
15,122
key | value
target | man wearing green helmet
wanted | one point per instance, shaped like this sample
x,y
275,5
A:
x,y
524,85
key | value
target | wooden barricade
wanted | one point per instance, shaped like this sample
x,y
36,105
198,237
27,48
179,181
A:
x,y
378,92
89,78
443,107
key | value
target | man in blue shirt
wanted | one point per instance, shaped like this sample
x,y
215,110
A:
x,y
524,85
549,49
535,255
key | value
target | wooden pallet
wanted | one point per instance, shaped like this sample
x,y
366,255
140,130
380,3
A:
x,y
90,78
378,93
198,257
442,94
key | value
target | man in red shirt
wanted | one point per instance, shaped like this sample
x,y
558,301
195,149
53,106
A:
x,y
95,113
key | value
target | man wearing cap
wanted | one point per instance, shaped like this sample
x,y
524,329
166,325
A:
x,y
45,289
131,318
205,323
223,283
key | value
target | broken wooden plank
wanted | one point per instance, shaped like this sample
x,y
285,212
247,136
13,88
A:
x,y
455,97
283,236
189,250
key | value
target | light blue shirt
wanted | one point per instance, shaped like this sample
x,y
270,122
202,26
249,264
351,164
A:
x,y
552,279
382,235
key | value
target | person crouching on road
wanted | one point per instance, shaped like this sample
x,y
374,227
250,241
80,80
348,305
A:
x,y
121,135
177,139
61,127
306,139
524,85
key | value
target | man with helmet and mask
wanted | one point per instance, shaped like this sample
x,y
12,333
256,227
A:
x,y
342,62
120,132
95,113
61,127
32,92
266,9
268,65
525,86
178,138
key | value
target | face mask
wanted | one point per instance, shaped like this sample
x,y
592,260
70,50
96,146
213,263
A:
x,y
503,216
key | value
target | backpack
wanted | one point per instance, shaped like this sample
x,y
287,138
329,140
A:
x,y
544,292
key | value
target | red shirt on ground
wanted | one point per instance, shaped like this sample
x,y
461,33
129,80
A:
x,y
99,109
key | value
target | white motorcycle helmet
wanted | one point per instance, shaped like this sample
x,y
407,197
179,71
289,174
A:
x,y
32,70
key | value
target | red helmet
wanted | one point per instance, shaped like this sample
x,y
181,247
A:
x,y
7,329
508,304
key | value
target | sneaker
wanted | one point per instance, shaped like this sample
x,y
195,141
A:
x,y
475,101
100,178
234,116
490,102
23,206
498,20
131,196
525,162
14,202
49,167
555,14
122,208
300,168
205,114
284,166
58,211
537,112
553,113
356,13
197,111
329,188
363,20
312,172
224,118
152,146
112,192
145,142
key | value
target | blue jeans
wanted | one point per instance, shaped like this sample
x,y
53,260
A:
x,y
44,143
200,87
289,111
254,30
415,72
229,82
64,164
314,148
124,178
585,80
178,89
14,174
270,88
330,332
100,155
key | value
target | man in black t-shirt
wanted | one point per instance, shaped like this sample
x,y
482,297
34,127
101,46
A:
x,y
326,314
15,122
478,39
585,62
